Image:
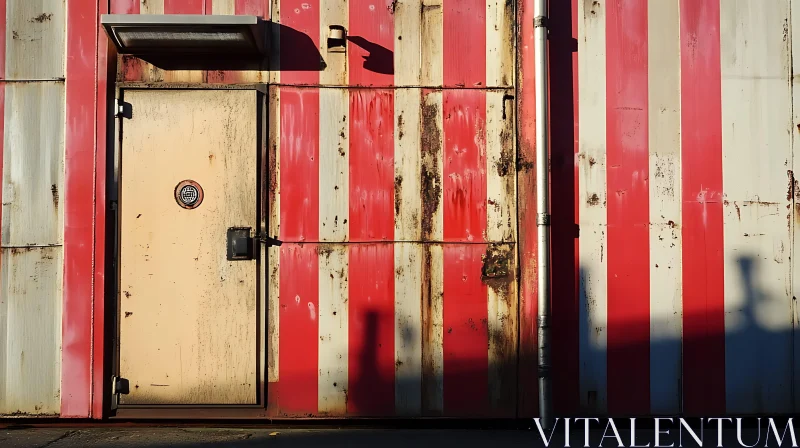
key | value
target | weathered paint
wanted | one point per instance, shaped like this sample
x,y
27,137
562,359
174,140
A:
x,y
187,315
80,157
592,208
627,193
30,300
34,39
664,123
33,153
794,215
702,214
691,230
30,320
758,298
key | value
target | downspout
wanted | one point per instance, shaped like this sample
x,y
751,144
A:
x,y
543,208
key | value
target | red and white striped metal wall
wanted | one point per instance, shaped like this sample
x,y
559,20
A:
x,y
404,168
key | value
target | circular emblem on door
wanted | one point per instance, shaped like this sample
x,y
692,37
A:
x,y
189,194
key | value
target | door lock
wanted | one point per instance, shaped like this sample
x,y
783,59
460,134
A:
x,y
242,246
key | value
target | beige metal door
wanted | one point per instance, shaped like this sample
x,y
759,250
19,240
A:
x,y
188,315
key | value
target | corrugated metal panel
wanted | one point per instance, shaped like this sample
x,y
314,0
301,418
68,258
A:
x,y
393,42
35,39
30,301
30,322
684,275
33,164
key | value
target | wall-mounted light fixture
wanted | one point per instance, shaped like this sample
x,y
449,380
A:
x,y
337,39
147,34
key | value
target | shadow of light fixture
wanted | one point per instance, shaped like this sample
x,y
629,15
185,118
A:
x,y
337,39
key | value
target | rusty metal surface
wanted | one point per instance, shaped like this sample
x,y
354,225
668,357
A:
x,y
30,320
31,264
188,317
34,39
33,164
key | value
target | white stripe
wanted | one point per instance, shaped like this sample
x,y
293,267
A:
x,y
666,317
273,75
499,43
333,332
503,337
332,12
795,213
432,43
408,328
592,206
407,165
407,42
501,186
334,164
223,7
274,223
433,158
433,351
756,142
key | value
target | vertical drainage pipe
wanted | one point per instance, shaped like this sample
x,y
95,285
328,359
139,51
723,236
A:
x,y
543,208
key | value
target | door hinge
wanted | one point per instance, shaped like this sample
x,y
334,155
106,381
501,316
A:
x,y
120,386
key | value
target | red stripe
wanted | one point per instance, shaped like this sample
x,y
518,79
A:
x,y
184,6
464,130
99,339
130,67
701,155
298,343
465,311
299,22
2,45
526,178
628,208
252,7
371,330
299,292
125,6
564,206
371,267
79,210
464,33
371,36
466,332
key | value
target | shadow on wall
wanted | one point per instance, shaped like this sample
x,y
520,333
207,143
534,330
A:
x,y
302,55
758,358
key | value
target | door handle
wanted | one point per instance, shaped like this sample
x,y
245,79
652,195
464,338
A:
x,y
242,246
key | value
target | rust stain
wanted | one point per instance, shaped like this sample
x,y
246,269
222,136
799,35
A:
x,y
400,132
14,35
128,313
430,181
426,8
672,224
497,271
41,18
398,191
593,199
127,294
392,7
793,192
54,193
429,386
758,202
592,161
211,157
138,216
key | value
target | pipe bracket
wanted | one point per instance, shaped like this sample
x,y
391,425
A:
x,y
543,219
540,22
543,321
